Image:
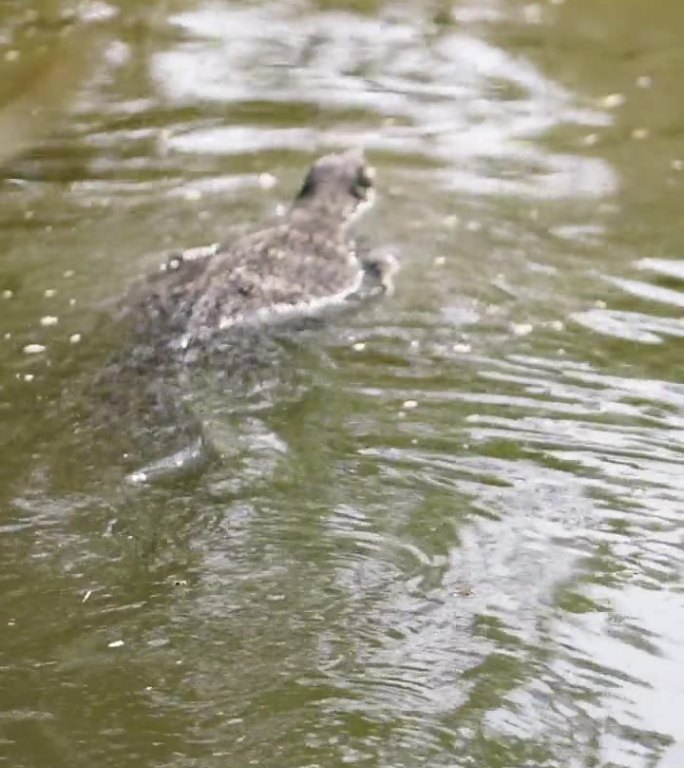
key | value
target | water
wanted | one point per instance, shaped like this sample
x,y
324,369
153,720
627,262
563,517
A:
x,y
442,530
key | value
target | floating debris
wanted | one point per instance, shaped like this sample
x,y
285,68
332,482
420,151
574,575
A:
x,y
7,294
68,273
49,293
522,329
532,13
75,338
115,644
34,349
267,180
590,139
87,595
644,81
48,320
613,100
640,133
410,404
440,261
359,346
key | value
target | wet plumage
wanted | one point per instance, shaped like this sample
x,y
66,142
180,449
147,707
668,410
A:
x,y
299,265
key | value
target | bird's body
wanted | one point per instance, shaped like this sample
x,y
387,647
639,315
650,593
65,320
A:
x,y
298,266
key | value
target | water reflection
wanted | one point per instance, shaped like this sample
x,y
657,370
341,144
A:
x,y
442,529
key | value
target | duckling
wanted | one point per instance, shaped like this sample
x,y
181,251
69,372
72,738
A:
x,y
297,267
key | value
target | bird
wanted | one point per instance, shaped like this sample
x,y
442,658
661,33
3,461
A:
x,y
298,266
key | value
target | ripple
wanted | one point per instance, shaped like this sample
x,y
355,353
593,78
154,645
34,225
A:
x,y
443,529
338,60
630,326
649,292
668,267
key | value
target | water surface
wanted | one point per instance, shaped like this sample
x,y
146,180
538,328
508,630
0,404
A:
x,y
444,529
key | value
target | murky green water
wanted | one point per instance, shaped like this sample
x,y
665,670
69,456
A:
x,y
445,530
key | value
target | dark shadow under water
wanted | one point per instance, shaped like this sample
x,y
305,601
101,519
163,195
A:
x,y
129,409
